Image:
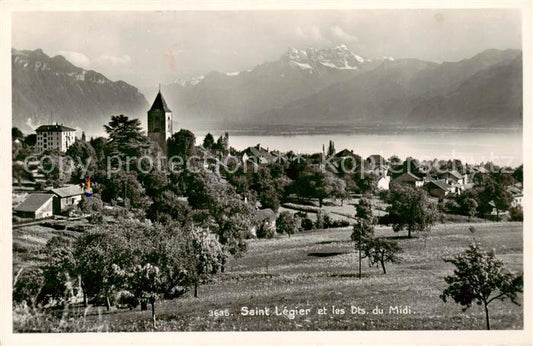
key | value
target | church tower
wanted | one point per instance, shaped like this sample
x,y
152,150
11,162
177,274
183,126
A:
x,y
160,122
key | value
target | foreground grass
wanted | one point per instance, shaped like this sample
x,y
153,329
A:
x,y
319,270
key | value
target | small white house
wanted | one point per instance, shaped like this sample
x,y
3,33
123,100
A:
x,y
66,197
383,182
36,206
408,179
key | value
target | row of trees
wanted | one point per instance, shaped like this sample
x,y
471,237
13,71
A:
x,y
129,261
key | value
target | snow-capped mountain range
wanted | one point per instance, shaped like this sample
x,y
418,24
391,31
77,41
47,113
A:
x,y
335,85
303,87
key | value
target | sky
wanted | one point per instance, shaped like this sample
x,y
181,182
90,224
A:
x,y
147,48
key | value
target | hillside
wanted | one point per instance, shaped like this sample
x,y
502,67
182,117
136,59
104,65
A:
x,y
482,91
44,85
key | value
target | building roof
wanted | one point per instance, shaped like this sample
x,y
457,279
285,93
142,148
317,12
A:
x,y
160,103
376,158
34,202
408,176
441,184
67,191
54,128
456,174
265,214
347,153
259,152
515,191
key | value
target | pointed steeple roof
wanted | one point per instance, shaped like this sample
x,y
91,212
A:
x,y
160,103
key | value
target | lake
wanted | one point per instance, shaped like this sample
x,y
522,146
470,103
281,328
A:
x,y
503,147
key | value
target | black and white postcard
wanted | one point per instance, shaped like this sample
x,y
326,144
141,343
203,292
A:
x,y
357,171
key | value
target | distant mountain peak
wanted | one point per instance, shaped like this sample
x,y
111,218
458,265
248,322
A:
x,y
79,97
318,59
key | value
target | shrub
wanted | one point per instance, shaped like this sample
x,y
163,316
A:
x,y
128,299
516,213
323,220
307,224
339,223
265,231
28,285
384,195
287,223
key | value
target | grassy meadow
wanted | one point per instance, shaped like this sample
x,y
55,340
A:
x,y
318,269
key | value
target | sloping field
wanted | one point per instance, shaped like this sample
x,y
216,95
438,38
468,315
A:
x,y
318,271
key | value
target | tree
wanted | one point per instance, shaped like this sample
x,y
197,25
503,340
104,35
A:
x,y
168,208
366,182
319,183
85,159
126,138
27,285
222,143
96,254
181,144
127,187
209,141
518,174
55,171
20,173
155,183
286,223
481,278
363,210
99,144
205,255
363,232
331,149
381,251
228,215
59,270
411,209
494,195
30,140
470,207
90,205
145,280
516,213
269,182
16,134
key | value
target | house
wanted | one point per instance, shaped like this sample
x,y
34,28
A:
x,y
346,161
375,160
517,194
258,155
438,188
453,177
66,197
408,179
54,137
348,153
264,218
36,206
383,182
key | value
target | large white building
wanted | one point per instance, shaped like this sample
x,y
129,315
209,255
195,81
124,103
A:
x,y
55,137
